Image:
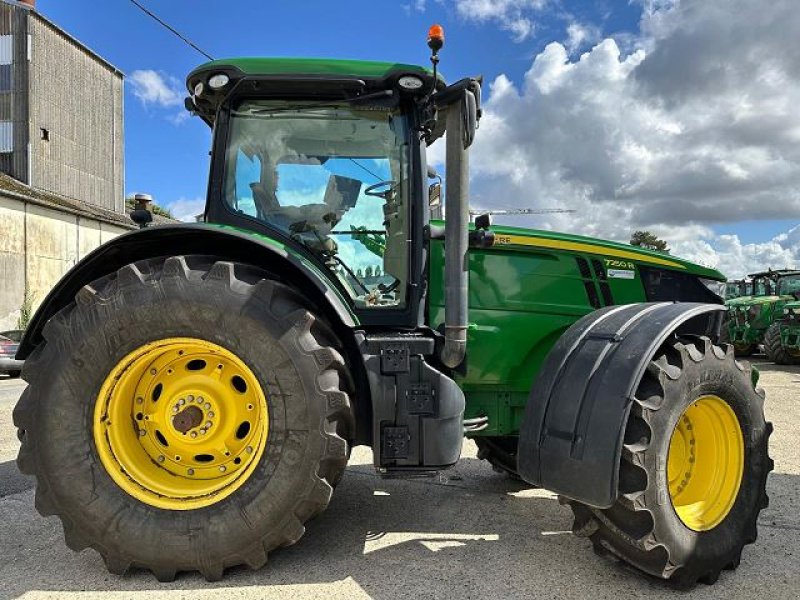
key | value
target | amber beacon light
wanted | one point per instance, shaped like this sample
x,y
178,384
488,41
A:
x,y
436,38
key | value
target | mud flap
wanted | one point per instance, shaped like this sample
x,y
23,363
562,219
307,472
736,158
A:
x,y
572,430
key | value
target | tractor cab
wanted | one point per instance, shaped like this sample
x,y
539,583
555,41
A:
x,y
328,157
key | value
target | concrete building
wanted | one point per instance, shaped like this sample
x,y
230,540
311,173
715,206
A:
x,y
61,150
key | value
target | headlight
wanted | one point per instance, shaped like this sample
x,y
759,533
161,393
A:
x,y
716,287
410,82
218,81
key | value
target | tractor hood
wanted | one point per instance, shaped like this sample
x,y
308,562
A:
x,y
617,255
747,301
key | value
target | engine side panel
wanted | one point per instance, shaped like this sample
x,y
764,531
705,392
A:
x,y
525,294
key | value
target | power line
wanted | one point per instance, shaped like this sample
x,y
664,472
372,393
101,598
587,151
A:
x,y
358,164
172,29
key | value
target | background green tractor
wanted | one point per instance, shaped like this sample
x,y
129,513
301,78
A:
x,y
195,390
751,317
738,288
782,340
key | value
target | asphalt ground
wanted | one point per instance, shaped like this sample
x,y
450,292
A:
x,y
467,533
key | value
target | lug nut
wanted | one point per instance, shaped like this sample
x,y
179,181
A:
x,y
175,409
142,433
139,400
208,424
190,471
211,414
190,398
249,449
200,399
202,432
161,458
153,371
193,435
182,401
222,468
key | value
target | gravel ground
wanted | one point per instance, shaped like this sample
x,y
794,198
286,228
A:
x,y
467,533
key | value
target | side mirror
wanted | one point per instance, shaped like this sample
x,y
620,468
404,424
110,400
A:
x,y
435,200
342,192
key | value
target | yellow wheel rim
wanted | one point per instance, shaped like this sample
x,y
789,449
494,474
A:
x,y
180,423
705,463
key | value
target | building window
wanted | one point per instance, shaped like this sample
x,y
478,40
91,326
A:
x,y
45,134
6,136
6,49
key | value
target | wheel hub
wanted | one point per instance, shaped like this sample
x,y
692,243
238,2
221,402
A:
x,y
200,423
189,418
705,463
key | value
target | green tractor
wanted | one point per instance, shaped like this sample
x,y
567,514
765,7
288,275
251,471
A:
x,y
782,339
738,288
752,318
195,389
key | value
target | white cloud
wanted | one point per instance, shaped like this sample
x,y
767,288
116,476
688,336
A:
x,y
515,16
695,126
187,209
156,88
579,35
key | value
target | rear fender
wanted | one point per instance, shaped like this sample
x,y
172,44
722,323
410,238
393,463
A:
x,y
574,423
171,240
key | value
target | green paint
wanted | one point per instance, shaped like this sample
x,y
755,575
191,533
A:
x,y
361,69
790,327
521,300
749,317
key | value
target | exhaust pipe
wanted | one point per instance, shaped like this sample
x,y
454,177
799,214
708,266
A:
x,y
461,115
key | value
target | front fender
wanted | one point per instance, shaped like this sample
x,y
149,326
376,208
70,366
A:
x,y
572,431
190,238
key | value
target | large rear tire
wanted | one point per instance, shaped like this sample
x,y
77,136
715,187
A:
x,y
774,348
223,330
693,470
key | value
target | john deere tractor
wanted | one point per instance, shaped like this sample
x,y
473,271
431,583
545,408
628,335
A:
x,y
738,288
752,318
782,339
195,389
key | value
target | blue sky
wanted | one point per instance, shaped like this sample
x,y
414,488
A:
x,y
624,114
170,160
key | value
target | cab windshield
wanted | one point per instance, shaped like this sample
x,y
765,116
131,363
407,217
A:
x,y
762,286
789,286
333,178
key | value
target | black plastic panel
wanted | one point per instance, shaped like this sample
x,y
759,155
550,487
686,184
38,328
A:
x,y
572,431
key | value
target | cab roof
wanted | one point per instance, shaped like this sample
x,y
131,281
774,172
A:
x,y
362,69
298,77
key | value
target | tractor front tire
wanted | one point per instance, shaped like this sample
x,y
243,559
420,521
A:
x,y
184,414
774,348
694,467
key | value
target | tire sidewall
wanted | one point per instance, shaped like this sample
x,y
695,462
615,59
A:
x,y
101,334
708,377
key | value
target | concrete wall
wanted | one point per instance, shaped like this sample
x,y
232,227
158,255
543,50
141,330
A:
x,y
77,100
38,245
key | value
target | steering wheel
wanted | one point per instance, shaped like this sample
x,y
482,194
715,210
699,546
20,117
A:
x,y
372,190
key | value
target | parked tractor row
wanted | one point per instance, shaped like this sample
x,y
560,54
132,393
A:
x,y
765,314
